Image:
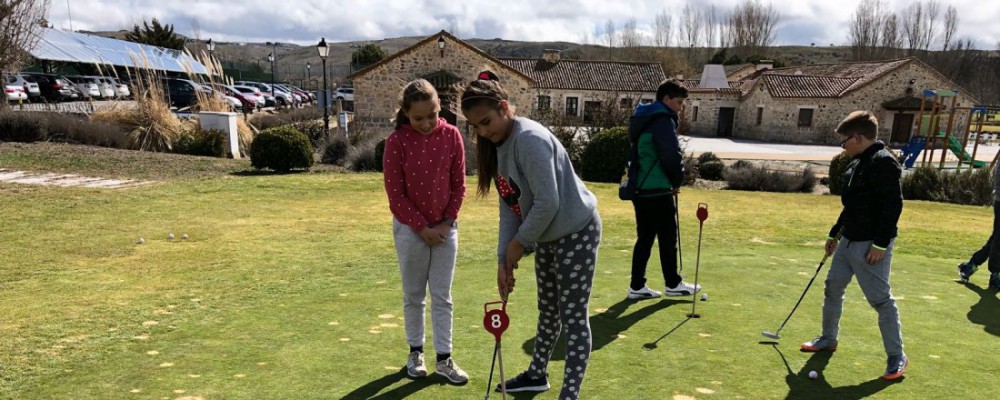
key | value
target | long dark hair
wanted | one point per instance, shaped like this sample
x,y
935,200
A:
x,y
484,93
418,90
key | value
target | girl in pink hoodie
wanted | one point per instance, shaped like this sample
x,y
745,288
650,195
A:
x,y
424,168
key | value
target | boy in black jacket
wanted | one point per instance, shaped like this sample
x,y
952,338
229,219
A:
x,y
872,204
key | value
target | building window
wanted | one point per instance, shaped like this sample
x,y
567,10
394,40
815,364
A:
x,y
544,102
805,117
645,101
694,114
625,103
760,115
572,106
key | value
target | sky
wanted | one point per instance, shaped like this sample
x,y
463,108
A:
x,y
303,22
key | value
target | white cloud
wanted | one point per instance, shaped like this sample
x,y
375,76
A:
x,y
304,21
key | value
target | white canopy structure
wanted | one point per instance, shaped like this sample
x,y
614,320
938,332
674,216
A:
x,y
73,47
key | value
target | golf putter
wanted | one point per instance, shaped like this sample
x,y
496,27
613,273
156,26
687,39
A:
x,y
496,321
777,334
702,214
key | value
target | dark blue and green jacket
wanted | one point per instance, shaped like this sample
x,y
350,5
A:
x,y
652,134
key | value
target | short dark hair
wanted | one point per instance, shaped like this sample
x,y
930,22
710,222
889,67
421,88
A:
x,y
671,88
861,122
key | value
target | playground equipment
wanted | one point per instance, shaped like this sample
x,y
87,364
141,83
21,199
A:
x,y
930,134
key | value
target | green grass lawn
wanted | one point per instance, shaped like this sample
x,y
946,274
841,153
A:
x,y
288,288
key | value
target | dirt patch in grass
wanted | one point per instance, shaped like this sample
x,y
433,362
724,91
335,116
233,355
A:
x,y
117,163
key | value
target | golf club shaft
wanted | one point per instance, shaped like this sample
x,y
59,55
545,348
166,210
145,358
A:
x,y
815,274
503,381
489,383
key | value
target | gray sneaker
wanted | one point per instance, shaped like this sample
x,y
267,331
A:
x,y
819,344
448,369
415,367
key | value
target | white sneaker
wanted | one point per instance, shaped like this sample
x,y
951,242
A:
x,y
642,294
450,370
415,367
683,289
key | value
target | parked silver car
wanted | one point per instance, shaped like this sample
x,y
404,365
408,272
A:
x,y
30,88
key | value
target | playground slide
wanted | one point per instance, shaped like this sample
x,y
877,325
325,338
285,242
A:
x,y
956,148
912,149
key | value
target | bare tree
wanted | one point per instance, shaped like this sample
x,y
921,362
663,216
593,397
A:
x,y
892,40
752,27
950,26
629,35
919,21
23,21
874,31
711,21
609,36
663,29
931,10
690,26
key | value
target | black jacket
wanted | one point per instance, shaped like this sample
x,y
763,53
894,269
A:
x,y
872,197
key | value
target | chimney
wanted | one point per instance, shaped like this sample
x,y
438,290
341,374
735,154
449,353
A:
x,y
764,64
679,77
551,55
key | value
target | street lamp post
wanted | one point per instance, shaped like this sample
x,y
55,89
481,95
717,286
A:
x,y
323,52
308,74
211,56
270,57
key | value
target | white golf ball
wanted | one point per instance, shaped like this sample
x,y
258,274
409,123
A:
x,y
184,236
170,236
140,241
813,374
704,297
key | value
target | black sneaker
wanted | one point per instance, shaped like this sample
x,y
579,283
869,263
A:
x,y
965,270
523,383
995,280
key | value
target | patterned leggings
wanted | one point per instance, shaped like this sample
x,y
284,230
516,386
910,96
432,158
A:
x,y
565,272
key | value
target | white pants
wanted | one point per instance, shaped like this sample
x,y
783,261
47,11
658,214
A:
x,y
423,266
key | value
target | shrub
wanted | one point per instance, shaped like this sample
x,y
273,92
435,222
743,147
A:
x,y
335,150
838,166
282,118
315,131
741,164
970,187
210,143
366,156
22,127
281,149
707,157
690,169
712,170
765,180
605,156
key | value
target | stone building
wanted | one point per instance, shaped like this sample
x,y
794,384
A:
x,y
573,87
804,104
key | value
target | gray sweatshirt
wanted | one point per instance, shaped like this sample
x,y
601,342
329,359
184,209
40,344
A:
x,y
541,198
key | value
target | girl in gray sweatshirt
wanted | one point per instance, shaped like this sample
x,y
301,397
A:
x,y
542,203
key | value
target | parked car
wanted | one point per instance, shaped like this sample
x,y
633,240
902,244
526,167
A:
x,y
344,93
88,88
281,97
53,87
121,89
248,102
256,94
181,93
15,93
30,88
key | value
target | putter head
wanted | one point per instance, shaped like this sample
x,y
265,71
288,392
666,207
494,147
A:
x,y
774,336
693,315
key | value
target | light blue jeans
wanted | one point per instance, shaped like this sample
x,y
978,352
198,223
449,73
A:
x,y
423,267
848,261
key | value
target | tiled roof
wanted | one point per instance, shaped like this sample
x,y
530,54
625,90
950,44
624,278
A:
x,y
807,86
590,75
826,80
695,84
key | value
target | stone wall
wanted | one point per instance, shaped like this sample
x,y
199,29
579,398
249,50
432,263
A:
x,y
780,116
705,120
377,91
558,99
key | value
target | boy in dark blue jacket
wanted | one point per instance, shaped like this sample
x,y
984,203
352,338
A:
x,y
872,202
656,167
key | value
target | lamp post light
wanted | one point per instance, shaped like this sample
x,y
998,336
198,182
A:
x,y
270,58
441,45
211,55
308,73
323,52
